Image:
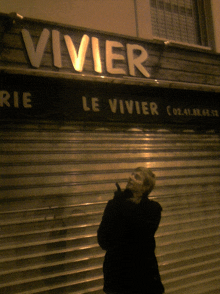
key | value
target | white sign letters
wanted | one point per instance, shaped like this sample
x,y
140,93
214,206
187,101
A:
x,y
128,59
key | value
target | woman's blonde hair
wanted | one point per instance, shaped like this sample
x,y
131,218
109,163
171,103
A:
x,y
150,178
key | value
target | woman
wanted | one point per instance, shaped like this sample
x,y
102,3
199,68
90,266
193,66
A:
x,y
126,232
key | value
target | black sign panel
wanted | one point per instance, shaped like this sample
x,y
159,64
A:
x,y
35,98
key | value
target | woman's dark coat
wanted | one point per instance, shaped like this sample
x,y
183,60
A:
x,y
127,233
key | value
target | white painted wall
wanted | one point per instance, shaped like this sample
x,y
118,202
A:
x,y
116,16
215,6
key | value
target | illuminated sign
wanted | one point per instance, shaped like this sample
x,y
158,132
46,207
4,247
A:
x,y
39,50
115,54
37,98
44,48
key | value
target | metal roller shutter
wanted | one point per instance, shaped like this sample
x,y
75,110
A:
x,y
56,180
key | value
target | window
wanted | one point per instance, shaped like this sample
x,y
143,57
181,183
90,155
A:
x,y
179,20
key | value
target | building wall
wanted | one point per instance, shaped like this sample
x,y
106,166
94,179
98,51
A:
x,y
126,17
116,16
216,23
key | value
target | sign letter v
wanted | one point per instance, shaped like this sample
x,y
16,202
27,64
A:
x,y
35,56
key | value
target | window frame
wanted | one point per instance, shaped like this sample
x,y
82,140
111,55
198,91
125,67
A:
x,y
144,26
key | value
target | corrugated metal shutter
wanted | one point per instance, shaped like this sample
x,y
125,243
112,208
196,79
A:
x,y
56,180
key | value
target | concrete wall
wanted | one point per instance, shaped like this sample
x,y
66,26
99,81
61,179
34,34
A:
x,y
126,17
115,16
215,6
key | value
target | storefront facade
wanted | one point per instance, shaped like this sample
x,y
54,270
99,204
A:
x,y
79,110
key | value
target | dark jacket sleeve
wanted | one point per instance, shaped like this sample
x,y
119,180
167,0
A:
x,y
122,225
111,228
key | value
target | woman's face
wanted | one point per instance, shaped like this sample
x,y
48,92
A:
x,y
136,182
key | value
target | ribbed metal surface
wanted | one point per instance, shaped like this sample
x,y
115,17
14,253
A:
x,y
55,182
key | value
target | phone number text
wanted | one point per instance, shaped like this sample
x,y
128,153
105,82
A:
x,y
191,112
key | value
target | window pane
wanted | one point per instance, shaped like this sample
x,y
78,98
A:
x,y
175,20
